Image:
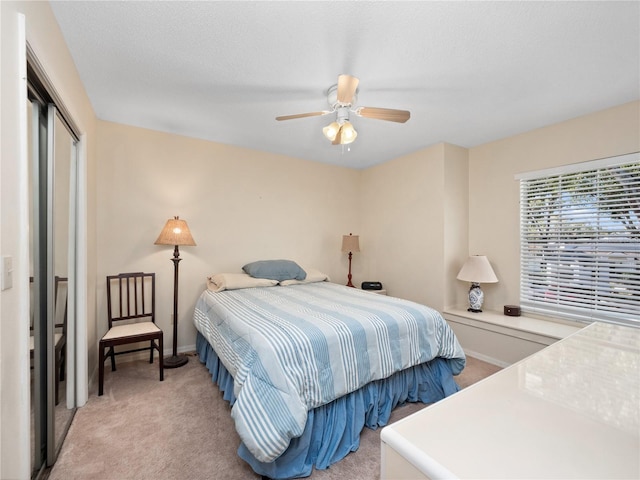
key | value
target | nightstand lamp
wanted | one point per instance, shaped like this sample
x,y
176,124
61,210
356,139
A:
x,y
350,243
477,270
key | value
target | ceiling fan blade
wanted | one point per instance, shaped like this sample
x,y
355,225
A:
x,y
389,114
347,86
302,115
338,139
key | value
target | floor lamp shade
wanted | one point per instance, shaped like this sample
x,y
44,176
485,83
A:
x,y
175,232
477,270
350,244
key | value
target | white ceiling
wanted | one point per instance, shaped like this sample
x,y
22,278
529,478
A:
x,y
469,72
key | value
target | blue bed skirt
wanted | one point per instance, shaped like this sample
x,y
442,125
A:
x,y
333,430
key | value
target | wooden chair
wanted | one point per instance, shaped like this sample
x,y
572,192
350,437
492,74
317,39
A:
x,y
131,300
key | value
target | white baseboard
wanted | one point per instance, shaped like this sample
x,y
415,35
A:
x,y
486,358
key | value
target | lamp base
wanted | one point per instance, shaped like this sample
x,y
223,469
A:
x,y
476,297
349,284
175,361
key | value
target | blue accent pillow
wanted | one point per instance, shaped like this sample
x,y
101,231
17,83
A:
x,y
275,270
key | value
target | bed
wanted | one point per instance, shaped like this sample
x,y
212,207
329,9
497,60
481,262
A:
x,y
307,364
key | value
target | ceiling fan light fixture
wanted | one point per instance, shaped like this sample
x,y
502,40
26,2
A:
x,y
348,133
331,130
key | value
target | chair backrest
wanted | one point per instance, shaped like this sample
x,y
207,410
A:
x,y
131,297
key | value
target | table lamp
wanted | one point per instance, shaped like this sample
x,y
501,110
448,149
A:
x,y
477,270
350,243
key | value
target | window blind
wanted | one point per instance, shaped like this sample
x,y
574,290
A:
x,y
580,243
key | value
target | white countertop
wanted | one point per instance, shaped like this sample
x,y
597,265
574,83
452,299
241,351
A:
x,y
570,411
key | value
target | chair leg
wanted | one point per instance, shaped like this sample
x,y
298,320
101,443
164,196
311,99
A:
x,y
161,358
60,369
113,358
56,363
101,369
63,362
151,346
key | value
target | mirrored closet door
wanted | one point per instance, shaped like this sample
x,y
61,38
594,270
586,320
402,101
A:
x,y
53,150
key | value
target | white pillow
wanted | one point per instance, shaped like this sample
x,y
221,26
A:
x,y
313,276
234,281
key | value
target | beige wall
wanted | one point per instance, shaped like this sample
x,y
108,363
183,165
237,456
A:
x,y
494,193
45,38
241,205
414,211
402,208
456,222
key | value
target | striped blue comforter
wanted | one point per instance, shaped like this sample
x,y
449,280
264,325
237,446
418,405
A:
x,y
291,349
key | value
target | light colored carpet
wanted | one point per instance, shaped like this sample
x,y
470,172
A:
x,y
182,429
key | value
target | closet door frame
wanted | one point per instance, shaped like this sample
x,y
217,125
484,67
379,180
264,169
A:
x,y
39,286
49,110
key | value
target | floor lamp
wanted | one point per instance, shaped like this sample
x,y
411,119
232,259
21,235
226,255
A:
x,y
175,232
350,243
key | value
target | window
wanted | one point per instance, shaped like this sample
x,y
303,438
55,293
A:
x,y
580,241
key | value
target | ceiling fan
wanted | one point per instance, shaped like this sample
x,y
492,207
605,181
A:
x,y
342,98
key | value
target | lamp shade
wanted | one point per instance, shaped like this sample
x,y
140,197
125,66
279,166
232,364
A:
x,y
340,133
350,243
331,130
347,133
175,232
477,269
